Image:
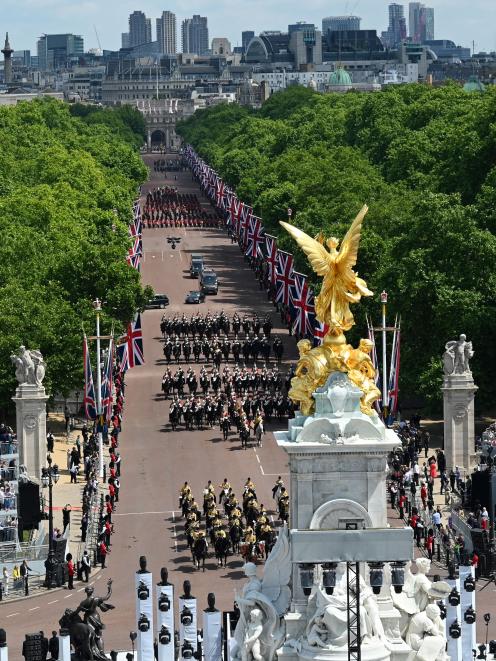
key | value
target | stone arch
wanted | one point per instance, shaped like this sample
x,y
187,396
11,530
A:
x,y
158,137
327,516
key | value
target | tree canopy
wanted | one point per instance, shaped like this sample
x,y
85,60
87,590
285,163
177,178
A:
x,y
68,179
424,160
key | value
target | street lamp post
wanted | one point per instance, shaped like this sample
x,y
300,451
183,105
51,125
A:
x,y
49,477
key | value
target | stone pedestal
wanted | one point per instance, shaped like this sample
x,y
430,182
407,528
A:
x,y
459,429
30,401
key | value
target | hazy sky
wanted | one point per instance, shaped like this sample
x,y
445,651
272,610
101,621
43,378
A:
x,y
460,20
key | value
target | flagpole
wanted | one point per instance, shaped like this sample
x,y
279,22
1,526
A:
x,y
97,304
385,402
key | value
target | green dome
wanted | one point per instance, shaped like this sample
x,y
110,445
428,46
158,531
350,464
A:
x,y
473,84
340,77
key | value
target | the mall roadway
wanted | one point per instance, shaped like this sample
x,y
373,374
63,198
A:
x,y
156,461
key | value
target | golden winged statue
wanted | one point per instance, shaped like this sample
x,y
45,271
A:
x,y
341,285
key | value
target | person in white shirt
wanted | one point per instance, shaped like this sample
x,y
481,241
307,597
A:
x,y
5,581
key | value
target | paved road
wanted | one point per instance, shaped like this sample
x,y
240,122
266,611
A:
x,y
156,461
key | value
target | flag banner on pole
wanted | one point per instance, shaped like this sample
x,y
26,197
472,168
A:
x,y
320,330
135,228
133,257
254,237
284,277
232,209
107,383
246,216
394,372
271,249
302,300
123,357
373,357
89,389
219,192
134,341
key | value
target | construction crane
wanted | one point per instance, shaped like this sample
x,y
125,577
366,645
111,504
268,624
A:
x,y
97,38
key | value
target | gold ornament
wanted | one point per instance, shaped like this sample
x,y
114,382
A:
x,y
340,287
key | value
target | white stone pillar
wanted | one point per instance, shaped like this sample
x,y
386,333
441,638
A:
x,y
212,635
187,624
144,607
165,618
459,428
30,401
149,140
64,648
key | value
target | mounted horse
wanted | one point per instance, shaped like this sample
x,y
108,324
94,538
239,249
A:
x,y
200,551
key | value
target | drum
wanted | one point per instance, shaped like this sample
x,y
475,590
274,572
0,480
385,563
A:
x,y
261,549
244,549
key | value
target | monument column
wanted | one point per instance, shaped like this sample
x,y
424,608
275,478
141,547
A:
x,y
30,400
458,404
7,66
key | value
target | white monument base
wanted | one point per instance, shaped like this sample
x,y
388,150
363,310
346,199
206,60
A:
x,y
30,401
459,427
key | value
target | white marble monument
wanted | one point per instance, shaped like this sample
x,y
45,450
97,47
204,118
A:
x,y
458,404
338,481
30,400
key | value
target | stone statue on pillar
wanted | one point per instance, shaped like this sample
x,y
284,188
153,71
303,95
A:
x,y
458,400
30,400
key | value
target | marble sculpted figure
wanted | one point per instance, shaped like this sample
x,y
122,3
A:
x,y
457,356
29,365
261,603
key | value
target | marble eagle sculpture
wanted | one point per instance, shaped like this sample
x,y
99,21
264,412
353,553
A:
x,y
341,285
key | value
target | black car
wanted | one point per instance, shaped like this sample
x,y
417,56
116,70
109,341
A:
x,y
159,301
195,297
209,283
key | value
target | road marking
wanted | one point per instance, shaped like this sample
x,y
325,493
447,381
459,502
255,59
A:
x,y
67,596
52,602
12,615
174,537
35,608
136,513
81,589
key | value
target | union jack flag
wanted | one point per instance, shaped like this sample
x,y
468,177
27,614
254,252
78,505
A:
x,y
254,237
246,216
232,209
107,383
89,389
284,277
135,228
271,248
133,356
303,302
319,332
133,257
394,371
122,357
219,192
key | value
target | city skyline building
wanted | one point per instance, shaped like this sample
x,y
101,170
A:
x,y
396,32
246,37
340,23
194,35
57,51
420,22
140,29
125,40
167,33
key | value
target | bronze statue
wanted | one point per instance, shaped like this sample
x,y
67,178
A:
x,y
86,633
341,286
